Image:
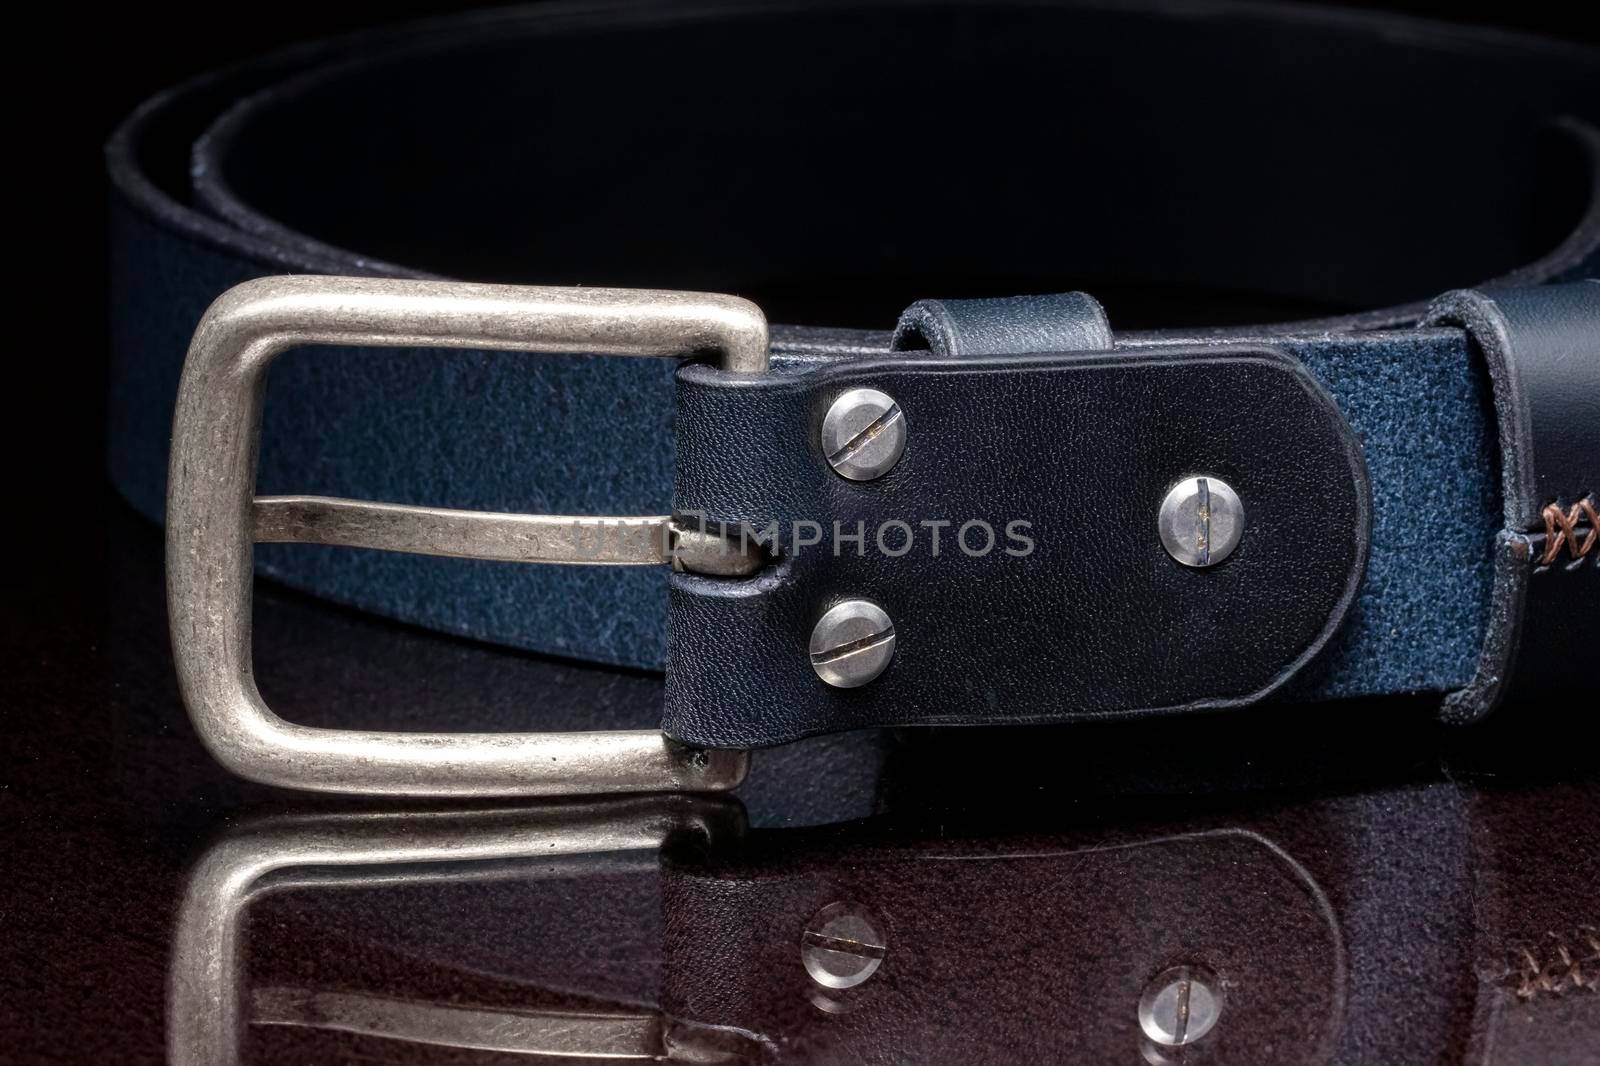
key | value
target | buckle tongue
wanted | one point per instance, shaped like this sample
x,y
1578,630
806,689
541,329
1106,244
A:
x,y
214,519
512,538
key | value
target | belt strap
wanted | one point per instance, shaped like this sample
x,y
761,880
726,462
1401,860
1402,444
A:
x,y
1090,171
1541,348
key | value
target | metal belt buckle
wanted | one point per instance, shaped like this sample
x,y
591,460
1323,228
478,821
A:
x,y
214,520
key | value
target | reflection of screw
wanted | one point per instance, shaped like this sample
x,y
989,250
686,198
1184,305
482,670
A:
x,y
1179,1006
852,644
841,947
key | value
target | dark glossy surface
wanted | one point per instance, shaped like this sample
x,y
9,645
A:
x,y
1364,885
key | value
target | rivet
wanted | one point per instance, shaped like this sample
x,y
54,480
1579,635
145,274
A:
x,y
863,434
852,644
1201,521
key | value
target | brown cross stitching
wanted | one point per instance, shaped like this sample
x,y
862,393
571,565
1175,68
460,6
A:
x,y
1563,528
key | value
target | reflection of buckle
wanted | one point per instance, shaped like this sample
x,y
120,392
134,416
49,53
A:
x,y
206,1004
214,519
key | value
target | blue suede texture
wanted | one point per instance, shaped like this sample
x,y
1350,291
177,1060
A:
x,y
1420,404
586,435
483,430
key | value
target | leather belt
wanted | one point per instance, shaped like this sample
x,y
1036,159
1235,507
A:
x,y
1356,502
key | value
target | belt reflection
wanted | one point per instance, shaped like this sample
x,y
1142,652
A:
x,y
208,1004
875,941
869,943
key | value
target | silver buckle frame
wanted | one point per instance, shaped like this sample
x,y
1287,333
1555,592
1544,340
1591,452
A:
x,y
207,1011
214,519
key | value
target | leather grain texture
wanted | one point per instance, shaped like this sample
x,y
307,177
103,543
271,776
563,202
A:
x,y
1065,322
1541,349
1091,618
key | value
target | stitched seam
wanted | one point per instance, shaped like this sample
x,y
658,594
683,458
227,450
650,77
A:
x,y
1562,963
1563,528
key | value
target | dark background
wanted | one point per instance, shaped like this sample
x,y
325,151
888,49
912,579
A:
x,y
79,81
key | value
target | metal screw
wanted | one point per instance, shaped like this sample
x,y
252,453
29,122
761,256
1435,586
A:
x,y
852,644
841,946
1179,1006
1201,521
863,434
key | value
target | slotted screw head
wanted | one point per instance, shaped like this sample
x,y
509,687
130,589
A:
x,y
1179,1006
863,434
841,947
1201,521
852,644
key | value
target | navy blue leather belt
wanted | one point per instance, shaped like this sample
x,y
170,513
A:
x,y
1150,518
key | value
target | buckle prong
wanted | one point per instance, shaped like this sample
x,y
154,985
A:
x,y
514,538
214,519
